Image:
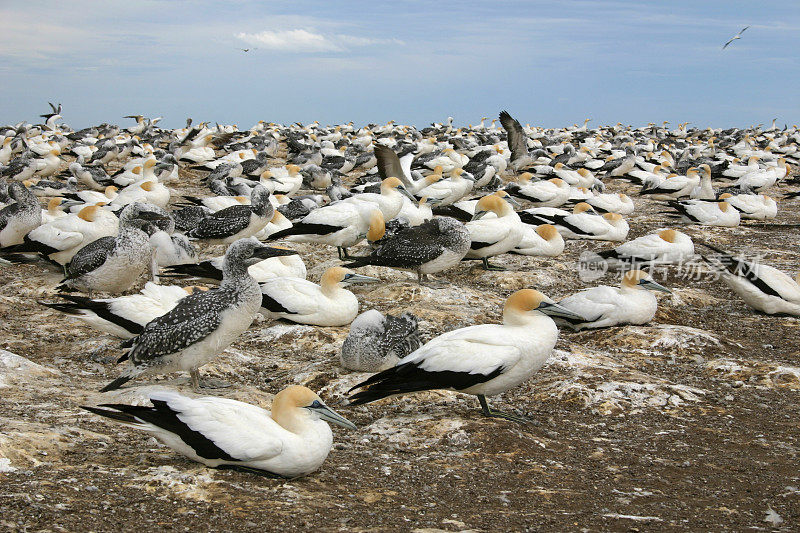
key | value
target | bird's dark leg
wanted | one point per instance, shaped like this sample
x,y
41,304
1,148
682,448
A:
x,y
343,255
423,281
497,414
487,266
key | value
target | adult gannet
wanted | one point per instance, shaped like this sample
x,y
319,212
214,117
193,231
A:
x,y
201,325
124,316
611,203
666,246
431,247
305,302
752,206
673,186
280,262
113,264
762,287
389,201
543,240
237,221
580,224
150,192
376,342
496,235
546,193
707,213
19,217
737,36
604,306
448,190
290,441
484,360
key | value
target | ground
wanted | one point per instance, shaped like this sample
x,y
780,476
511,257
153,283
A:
x,y
690,422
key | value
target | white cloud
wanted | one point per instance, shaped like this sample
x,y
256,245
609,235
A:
x,y
301,40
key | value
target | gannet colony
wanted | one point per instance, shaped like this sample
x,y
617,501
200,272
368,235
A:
x,y
383,327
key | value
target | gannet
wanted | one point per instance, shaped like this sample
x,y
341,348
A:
x,y
389,201
666,246
305,302
236,222
737,36
280,262
124,316
113,264
673,186
376,342
496,235
580,224
543,240
19,217
707,212
611,203
604,306
517,143
201,325
93,176
290,441
431,247
547,193
762,287
484,360
752,206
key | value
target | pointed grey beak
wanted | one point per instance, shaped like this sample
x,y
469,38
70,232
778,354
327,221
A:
x,y
477,215
408,195
266,252
329,415
554,309
513,201
358,278
653,286
434,201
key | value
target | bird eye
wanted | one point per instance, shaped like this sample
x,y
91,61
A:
x,y
316,404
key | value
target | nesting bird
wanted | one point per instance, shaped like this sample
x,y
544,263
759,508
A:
x,y
376,342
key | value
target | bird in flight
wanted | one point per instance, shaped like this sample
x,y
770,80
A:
x,y
737,36
247,49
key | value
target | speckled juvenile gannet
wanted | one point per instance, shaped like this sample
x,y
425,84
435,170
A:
x,y
431,247
113,264
237,221
667,246
20,217
280,262
201,325
496,235
124,316
376,342
292,440
484,360
762,287
603,306
305,302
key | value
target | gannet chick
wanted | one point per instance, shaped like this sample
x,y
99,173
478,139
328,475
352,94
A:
x,y
19,217
542,241
201,325
666,246
237,221
305,302
174,249
292,440
484,360
496,235
281,262
603,306
431,247
113,264
762,287
124,316
376,342
707,213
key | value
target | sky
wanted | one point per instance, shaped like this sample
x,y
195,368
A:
x,y
548,63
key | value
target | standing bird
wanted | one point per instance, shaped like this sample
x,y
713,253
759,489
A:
x,y
737,36
483,360
496,235
290,441
202,324
20,217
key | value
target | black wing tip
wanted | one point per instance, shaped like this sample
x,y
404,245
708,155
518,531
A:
x,y
116,384
114,413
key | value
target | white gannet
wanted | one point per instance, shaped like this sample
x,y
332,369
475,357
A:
x,y
114,264
201,325
673,186
389,200
611,203
305,302
431,247
708,213
580,224
290,441
543,241
604,306
484,360
449,190
17,219
752,206
124,316
496,235
546,193
737,36
150,192
762,287
666,246
376,342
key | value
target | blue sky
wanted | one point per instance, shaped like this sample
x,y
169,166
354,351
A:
x,y
549,63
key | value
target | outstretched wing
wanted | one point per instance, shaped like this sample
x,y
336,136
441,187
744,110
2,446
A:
x,y
516,136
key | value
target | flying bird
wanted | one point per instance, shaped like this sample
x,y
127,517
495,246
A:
x,y
247,49
737,36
